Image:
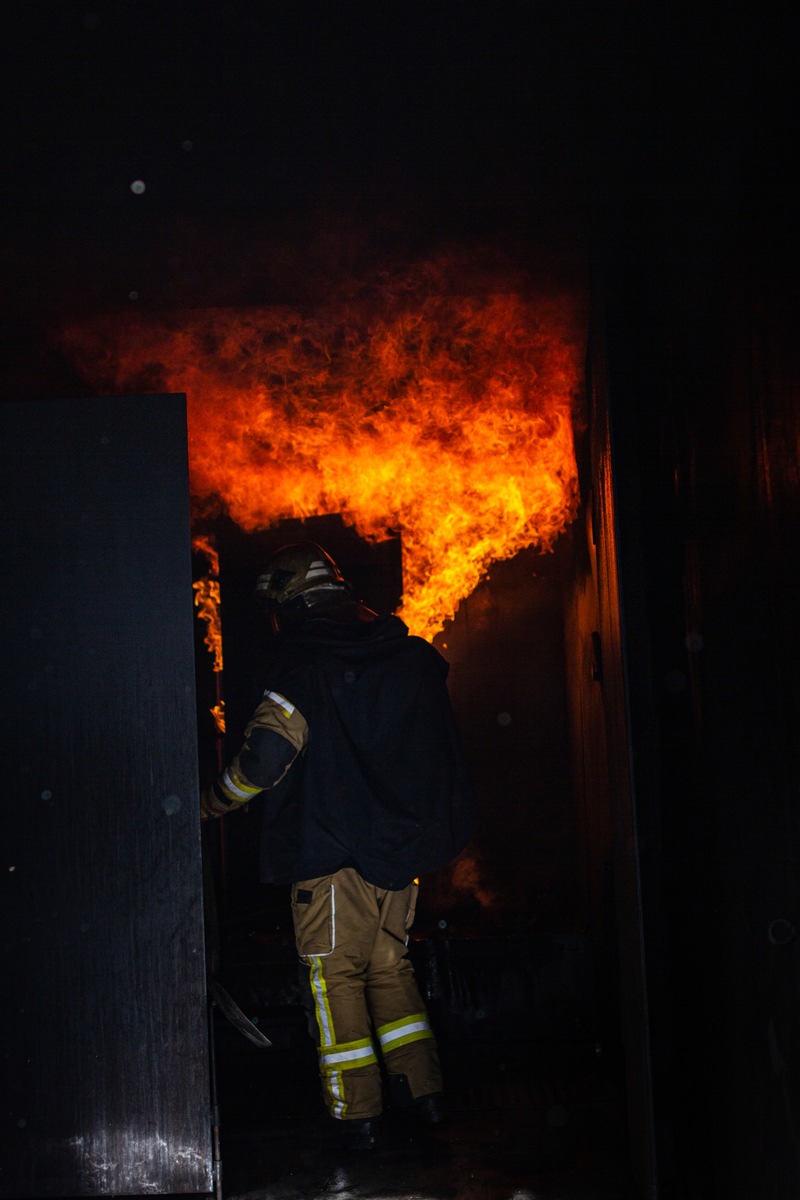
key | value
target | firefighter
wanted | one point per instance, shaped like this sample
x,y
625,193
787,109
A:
x,y
355,743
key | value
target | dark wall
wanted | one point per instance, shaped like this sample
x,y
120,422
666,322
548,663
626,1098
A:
x,y
695,260
103,1022
697,331
601,618
505,647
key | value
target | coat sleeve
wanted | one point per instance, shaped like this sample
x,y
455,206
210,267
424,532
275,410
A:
x,y
274,738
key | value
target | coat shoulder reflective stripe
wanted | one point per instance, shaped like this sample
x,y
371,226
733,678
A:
x,y
285,705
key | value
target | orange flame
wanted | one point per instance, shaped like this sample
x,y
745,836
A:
x,y
207,603
203,544
218,713
417,407
207,600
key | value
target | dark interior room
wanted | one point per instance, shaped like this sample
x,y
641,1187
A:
x,y
499,305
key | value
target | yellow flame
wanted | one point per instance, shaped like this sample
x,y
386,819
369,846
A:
x,y
433,407
218,713
206,600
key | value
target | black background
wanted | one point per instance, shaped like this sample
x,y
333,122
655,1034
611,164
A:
x,y
283,146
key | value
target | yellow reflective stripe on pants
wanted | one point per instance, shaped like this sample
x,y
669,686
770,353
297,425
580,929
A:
x,y
334,1058
335,1085
407,1029
347,1054
322,1008
352,939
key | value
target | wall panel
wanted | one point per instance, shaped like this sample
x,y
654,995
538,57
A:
x,y
103,1032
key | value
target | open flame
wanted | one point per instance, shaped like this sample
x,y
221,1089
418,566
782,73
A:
x,y
207,603
416,405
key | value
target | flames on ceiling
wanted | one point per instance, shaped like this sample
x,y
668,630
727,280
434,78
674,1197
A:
x,y
434,401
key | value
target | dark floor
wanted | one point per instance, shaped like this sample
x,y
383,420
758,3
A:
x,y
520,1131
533,1080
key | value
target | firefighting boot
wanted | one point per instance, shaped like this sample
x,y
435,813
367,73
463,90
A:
x,y
423,1110
359,1135
336,1135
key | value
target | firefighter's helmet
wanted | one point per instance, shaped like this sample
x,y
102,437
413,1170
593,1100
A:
x,y
293,573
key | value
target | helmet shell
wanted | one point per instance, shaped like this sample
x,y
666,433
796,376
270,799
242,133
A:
x,y
296,569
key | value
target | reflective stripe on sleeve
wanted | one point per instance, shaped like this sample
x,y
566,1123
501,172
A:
x,y
234,786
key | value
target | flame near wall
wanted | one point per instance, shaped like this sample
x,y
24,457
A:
x,y
434,401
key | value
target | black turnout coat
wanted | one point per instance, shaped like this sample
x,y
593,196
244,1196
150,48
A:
x,y
380,784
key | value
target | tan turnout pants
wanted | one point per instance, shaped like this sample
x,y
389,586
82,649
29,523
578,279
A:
x,y
353,938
